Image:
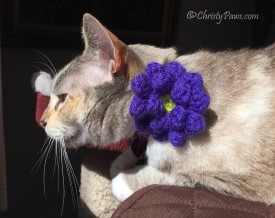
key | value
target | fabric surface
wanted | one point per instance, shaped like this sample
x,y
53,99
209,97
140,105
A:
x,y
41,105
172,201
139,144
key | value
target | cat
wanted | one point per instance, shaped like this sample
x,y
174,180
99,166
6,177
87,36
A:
x,y
89,101
235,155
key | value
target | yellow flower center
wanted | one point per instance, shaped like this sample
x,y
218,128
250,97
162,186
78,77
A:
x,y
167,103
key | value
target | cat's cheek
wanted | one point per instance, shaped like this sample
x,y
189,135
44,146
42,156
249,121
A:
x,y
77,139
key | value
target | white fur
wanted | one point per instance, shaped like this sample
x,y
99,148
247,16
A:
x,y
120,188
53,100
43,83
160,153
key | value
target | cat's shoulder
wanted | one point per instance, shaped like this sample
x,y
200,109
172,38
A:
x,y
153,53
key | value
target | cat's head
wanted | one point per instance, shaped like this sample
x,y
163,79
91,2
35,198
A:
x,y
90,96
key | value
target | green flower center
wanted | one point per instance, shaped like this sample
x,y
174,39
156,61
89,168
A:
x,y
167,103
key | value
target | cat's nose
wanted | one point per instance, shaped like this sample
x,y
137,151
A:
x,y
43,123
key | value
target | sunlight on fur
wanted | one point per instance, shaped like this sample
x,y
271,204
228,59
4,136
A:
x,y
89,104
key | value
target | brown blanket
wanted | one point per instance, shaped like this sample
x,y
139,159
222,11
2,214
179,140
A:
x,y
171,201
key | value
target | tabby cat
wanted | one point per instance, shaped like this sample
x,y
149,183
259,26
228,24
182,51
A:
x,y
235,155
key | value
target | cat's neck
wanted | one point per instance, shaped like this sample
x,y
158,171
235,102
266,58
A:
x,y
140,55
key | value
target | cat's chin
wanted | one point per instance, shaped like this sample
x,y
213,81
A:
x,y
73,142
79,139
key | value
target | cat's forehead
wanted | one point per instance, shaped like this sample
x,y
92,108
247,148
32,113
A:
x,y
61,81
79,74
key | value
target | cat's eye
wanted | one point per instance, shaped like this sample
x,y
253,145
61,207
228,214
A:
x,y
62,97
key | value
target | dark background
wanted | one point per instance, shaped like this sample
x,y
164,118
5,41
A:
x,y
123,14
23,137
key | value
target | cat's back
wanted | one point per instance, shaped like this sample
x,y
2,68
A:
x,y
229,74
237,150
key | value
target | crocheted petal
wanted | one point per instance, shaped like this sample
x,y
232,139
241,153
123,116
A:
x,y
153,68
177,139
181,93
194,80
176,69
199,101
160,136
143,125
178,118
187,78
141,86
162,83
154,106
160,125
138,107
195,123
197,80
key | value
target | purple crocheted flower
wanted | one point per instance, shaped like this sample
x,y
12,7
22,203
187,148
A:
x,y
169,102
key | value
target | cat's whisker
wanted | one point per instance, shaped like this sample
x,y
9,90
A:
x,y
63,179
44,144
44,171
51,72
71,174
60,156
40,53
38,68
55,162
71,177
38,163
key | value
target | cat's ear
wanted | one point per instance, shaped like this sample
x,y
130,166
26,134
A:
x,y
101,43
